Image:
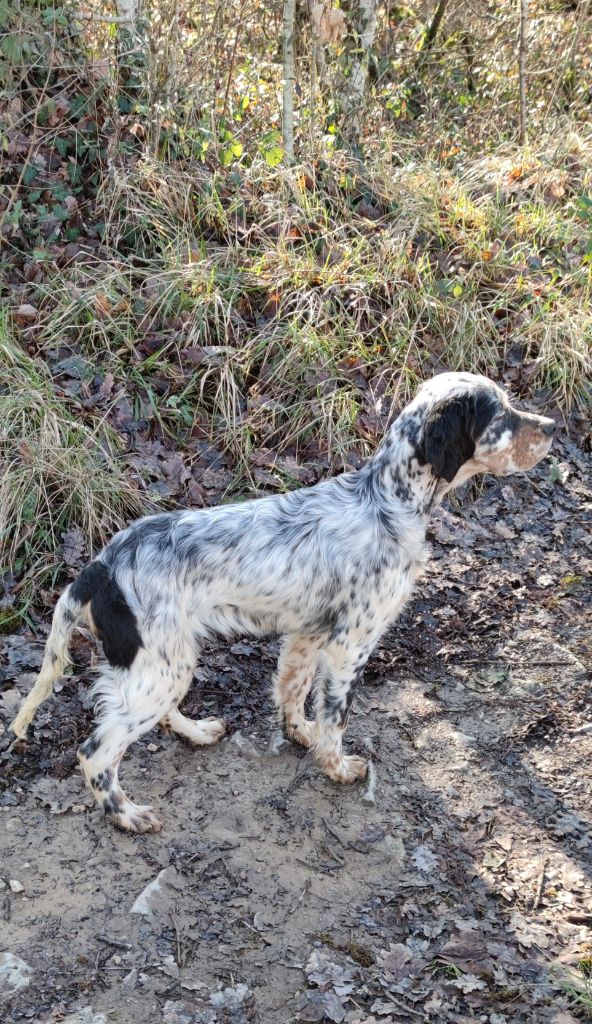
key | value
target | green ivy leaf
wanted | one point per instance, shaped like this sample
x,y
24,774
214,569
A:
x,y
59,190
273,156
60,212
74,173
31,172
230,153
12,47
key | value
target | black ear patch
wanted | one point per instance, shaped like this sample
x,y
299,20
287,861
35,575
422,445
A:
x,y
114,620
452,430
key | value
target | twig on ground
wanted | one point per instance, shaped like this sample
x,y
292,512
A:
x,y
407,1009
175,924
580,919
116,943
511,664
256,930
333,855
306,889
333,832
540,885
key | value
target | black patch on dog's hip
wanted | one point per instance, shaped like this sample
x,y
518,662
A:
x,y
114,620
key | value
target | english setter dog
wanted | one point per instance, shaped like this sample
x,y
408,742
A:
x,y
328,568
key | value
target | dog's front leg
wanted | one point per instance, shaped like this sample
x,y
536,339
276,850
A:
x,y
342,664
295,674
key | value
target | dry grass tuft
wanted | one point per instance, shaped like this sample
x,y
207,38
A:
x,y
56,474
314,298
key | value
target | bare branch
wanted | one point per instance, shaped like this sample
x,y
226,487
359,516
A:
x,y
522,71
288,96
432,31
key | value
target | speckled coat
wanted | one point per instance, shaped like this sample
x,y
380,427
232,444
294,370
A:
x,y
327,567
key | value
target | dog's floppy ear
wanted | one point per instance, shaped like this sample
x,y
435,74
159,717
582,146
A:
x,y
449,436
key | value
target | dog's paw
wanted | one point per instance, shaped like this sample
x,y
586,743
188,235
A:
x,y
138,819
207,731
348,769
200,733
302,732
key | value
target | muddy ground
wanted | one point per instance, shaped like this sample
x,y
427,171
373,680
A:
x,y
462,891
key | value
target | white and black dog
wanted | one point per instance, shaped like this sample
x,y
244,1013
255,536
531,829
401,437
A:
x,y
327,567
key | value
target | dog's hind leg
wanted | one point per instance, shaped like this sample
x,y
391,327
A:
x,y
200,733
297,667
131,702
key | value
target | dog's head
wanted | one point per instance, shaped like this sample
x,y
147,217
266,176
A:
x,y
468,426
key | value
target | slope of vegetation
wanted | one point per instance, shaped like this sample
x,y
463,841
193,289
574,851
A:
x,y
172,284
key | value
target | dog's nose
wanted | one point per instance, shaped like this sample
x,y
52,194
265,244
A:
x,y
549,427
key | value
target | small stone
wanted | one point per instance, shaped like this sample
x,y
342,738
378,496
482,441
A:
x,y
368,745
277,742
142,903
243,744
26,314
152,747
85,1015
14,825
15,885
178,1012
130,981
395,848
14,973
368,794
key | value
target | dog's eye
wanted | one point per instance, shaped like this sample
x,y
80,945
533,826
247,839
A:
x,y
512,421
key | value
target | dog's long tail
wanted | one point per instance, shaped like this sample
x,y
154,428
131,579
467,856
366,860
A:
x,y
55,659
109,617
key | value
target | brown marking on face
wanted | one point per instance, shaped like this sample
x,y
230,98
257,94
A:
x,y
528,446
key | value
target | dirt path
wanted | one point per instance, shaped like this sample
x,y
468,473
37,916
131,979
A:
x,y
463,893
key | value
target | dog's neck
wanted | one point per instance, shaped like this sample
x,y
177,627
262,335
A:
x,y
403,474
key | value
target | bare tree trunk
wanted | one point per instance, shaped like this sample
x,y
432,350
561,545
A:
x,y
318,66
522,71
128,11
356,84
467,45
288,98
129,48
432,31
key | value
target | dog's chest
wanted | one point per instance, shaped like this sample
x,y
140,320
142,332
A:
x,y
394,588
